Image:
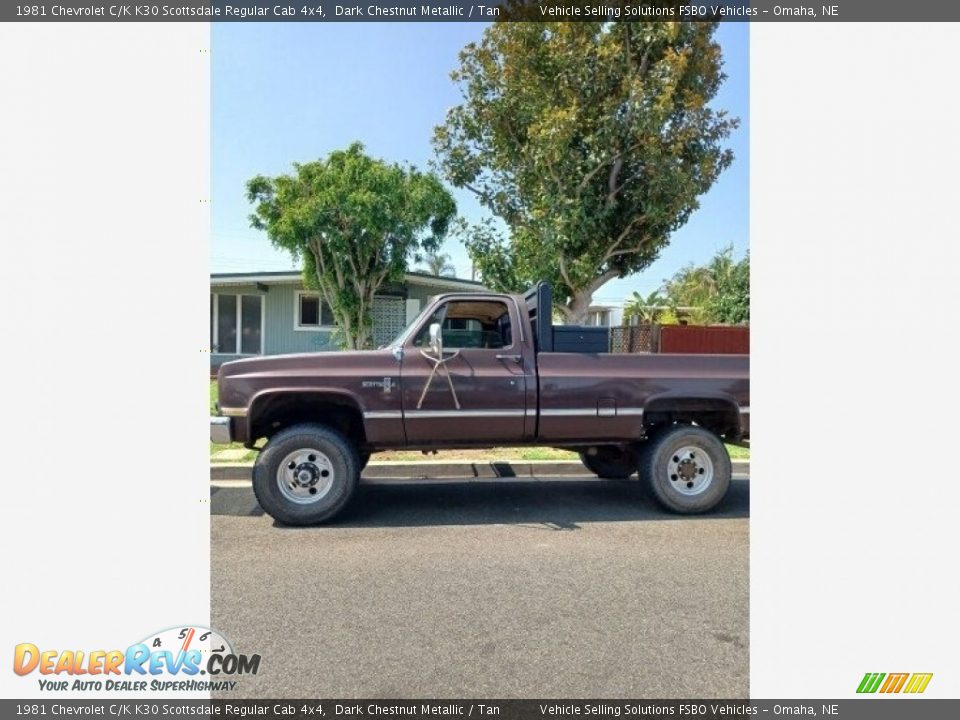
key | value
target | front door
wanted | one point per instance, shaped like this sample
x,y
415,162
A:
x,y
478,393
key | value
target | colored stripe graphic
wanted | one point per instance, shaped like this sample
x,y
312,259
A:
x,y
870,682
918,682
894,682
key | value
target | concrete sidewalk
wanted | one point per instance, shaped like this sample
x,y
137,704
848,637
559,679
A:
x,y
437,469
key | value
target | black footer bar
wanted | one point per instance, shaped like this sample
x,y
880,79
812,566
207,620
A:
x,y
873,708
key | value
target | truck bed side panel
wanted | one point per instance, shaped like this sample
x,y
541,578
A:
x,y
602,397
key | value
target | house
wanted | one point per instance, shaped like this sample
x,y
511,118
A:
x,y
269,313
607,315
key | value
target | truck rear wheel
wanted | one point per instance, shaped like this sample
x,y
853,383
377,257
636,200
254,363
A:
x,y
610,462
306,474
686,468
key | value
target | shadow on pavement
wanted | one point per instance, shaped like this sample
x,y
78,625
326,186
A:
x,y
551,504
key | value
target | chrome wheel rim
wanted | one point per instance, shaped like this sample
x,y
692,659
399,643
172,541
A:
x,y
690,470
305,476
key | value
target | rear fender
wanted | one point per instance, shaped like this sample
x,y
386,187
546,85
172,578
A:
x,y
717,413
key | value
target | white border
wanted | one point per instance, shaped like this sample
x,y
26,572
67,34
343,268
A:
x,y
854,537
105,187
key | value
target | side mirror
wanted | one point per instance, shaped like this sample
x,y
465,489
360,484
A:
x,y
436,340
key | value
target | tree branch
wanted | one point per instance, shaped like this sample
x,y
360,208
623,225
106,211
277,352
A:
x,y
599,281
612,179
628,119
563,273
621,237
479,193
626,251
603,163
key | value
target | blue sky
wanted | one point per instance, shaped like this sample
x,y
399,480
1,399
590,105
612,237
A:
x,y
292,92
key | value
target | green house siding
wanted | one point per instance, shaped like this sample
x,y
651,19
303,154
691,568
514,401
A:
x,y
392,311
281,336
218,359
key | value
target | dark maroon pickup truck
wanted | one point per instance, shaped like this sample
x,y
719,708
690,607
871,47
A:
x,y
484,370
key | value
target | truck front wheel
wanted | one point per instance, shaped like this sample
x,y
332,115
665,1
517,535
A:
x,y
610,462
686,468
306,474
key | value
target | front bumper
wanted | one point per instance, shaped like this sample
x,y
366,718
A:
x,y
220,431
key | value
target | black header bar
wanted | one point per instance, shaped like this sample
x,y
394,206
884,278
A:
x,y
472,11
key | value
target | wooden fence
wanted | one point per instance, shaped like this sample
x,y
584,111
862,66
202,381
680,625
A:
x,y
691,339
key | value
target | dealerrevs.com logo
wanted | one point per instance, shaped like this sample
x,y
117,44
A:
x,y
910,683
185,658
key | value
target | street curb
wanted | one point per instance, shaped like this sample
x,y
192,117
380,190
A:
x,y
436,469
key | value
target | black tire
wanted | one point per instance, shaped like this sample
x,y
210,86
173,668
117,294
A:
x,y
610,462
362,460
316,450
673,463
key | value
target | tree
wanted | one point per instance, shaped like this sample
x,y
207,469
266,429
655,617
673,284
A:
x,y
720,290
591,142
353,221
731,302
647,309
439,264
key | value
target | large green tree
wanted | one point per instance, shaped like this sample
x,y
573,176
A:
x,y
354,221
590,141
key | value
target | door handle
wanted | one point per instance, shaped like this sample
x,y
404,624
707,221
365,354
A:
x,y
515,358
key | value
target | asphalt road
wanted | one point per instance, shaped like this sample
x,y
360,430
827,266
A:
x,y
572,588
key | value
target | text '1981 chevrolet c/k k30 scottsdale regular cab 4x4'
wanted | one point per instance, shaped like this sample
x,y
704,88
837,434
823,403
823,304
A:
x,y
484,370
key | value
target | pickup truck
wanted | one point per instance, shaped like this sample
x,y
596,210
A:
x,y
481,370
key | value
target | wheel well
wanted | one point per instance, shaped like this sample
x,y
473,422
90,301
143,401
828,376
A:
x,y
272,413
721,417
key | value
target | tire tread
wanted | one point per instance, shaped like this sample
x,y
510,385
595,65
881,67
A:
x,y
653,454
264,474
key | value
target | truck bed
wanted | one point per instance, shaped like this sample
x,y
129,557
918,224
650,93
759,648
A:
x,y
610,394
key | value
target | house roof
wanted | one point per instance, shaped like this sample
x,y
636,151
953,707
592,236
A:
x,y
295,277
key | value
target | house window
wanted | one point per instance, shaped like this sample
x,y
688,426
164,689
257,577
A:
x,y
236,324
312,313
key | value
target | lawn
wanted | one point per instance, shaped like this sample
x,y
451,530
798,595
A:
x,y
214,396
236,453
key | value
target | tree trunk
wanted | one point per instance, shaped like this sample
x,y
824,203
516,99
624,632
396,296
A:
x,y
575,311
357,332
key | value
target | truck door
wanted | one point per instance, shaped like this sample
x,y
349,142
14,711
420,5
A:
x,y
477,392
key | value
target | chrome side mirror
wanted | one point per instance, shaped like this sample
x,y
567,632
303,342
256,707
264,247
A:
x,y
436,340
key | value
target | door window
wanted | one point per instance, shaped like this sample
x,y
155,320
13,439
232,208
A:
x,y
482,324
